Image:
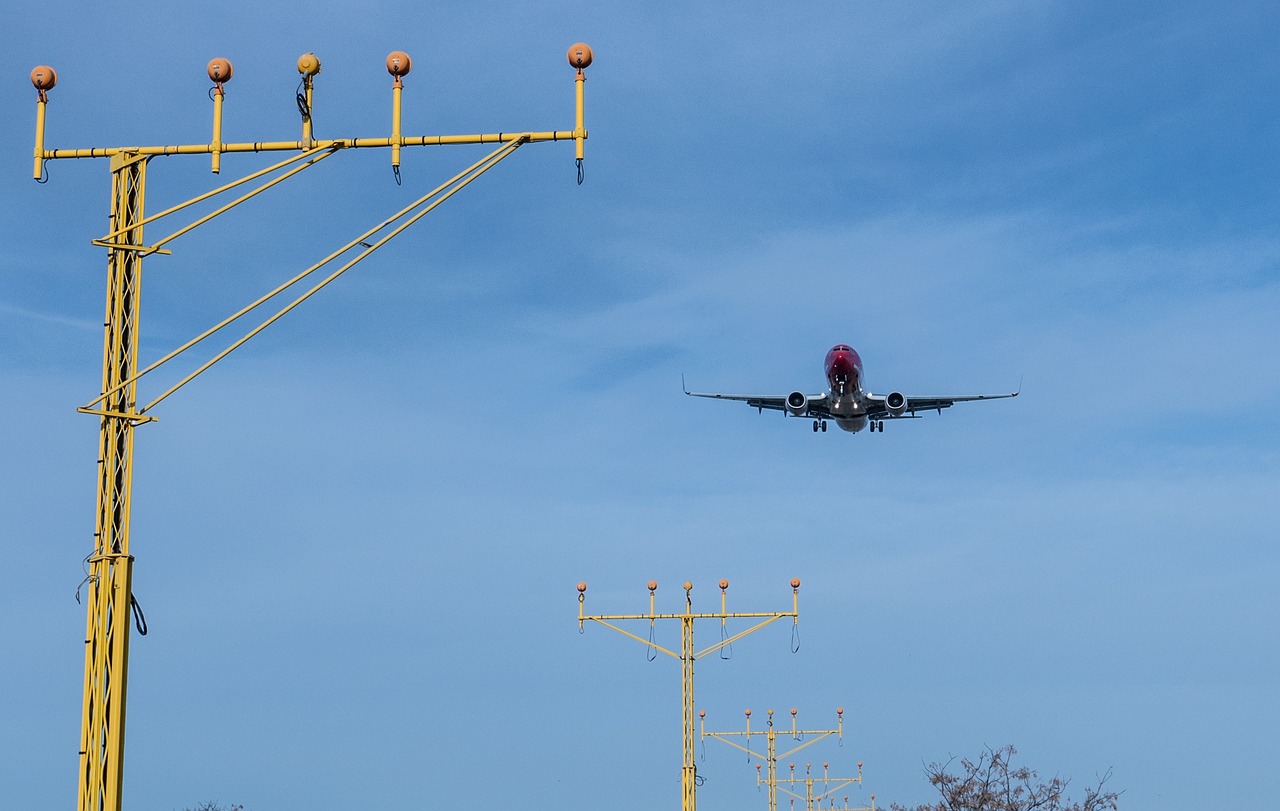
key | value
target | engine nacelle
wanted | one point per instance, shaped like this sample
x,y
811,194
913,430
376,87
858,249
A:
x,y
896,402
797,403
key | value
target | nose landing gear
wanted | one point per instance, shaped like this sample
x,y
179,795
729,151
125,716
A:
x,y
819,425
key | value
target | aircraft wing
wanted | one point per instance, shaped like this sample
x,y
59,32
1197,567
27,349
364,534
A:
x,y
816,404
878,406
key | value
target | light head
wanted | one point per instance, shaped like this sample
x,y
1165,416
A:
x,y
399,64
220,70
580,55
308,64
44,78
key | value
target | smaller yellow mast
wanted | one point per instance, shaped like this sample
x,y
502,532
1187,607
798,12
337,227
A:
x,y
813,798
767,770
688,655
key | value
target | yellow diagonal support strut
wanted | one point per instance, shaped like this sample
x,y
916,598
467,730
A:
x,y
435,197
688,655
110,565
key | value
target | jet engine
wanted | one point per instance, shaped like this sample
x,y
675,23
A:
x,y
797,403
896,402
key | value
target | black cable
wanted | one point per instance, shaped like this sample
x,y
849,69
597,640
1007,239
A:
x,y
138,619
301,99
88,578
581,173
395,170
44,172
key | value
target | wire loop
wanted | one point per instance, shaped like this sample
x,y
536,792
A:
x,y
301,99
139,619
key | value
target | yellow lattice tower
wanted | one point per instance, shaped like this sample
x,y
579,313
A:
x,y
110,564
688,655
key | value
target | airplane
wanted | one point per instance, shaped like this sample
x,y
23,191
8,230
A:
x,y
847,402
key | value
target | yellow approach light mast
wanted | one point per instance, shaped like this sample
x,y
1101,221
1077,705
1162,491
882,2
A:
x,y
813,797
803,738
111,604
689,654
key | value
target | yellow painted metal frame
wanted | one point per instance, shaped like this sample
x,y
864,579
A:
x,y
110,565
771,757
688,655
813,800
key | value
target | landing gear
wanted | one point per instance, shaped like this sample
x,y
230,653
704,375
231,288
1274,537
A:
x,y
876,425
815,426
819,425
824,426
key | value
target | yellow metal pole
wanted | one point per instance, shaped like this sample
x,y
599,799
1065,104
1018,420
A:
x,y
579,130
580,57
308,66
395,121
398,65
39,167
111,564
44,78
216,144
219,71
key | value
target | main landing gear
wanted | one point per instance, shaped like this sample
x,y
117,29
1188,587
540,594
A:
x,y
819,425
876,425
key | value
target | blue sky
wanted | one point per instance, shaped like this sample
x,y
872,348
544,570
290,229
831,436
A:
x,y
357,540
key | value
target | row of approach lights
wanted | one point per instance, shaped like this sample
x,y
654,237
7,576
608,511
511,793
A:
x,y
652,585
220,70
